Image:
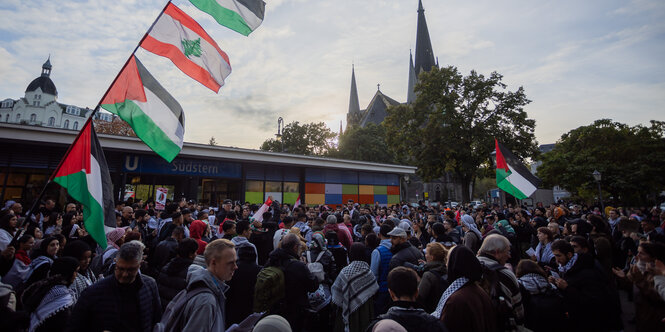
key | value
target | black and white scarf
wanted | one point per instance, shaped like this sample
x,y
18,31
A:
x,y
353,287
56,299
454,287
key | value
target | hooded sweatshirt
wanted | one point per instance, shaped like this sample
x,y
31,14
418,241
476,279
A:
x,y
205,312
196,230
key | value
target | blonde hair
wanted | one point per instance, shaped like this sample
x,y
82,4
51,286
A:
x,y
215,248
438,251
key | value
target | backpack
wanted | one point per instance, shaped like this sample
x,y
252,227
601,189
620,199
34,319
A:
x,y
501,302
172,317
315,267
269,288
99,265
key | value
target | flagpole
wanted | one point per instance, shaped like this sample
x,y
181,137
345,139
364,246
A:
x,y
94,111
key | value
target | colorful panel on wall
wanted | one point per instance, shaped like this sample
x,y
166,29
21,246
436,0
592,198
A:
x,y
380,190
290,198
346,198
382,199
393,190
254,197
315,188
315,199
276,196
366,199
350,189
393,199
334,199
333,188
365,190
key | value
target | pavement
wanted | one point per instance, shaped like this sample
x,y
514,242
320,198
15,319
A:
x,y
627,312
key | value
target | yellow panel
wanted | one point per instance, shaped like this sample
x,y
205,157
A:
x,y
366,190
313,199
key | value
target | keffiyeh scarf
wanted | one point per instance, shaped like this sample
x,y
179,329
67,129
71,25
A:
x,y
57,299
353,287
565,268
544,253
454,287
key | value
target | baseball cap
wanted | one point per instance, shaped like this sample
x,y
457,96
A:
x,y
397,231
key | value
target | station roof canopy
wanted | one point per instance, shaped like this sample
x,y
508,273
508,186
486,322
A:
x,y
60,137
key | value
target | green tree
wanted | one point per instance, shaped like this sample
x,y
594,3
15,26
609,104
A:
x,y
630,160
212,141
452,125
364,143
306,139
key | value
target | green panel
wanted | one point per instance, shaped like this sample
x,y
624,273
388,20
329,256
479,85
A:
x,y
393,199
290,198
380,190
350,189
254,197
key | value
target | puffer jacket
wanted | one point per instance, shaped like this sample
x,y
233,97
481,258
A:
x,y
196,230
411,318
404,252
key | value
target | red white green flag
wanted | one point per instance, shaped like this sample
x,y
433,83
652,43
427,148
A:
x,y
85,175
258,215
178,37
148,108
512,176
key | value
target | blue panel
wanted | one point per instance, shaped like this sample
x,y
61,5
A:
x,y
181,166
379,179
292,174
273,173
349,177
333,176
254,172
314,175
365,178
392,180
382,199
336,199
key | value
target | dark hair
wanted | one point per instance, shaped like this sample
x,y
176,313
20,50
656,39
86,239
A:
x,y
25,238
599,224
76,249
546,231
581,240
385,229
246,253
132,235
438,228
403,281
367,228
178,231
4,222
526,266
372,241
67,218
186,247
171,208
176,215
140,213
654,250
228,225
288,220
357,252
562,246
242,226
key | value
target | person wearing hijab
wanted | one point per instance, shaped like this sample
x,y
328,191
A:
x,y
472,236
85,277
352,292
21,263
464,305
41,260
318,246
50,301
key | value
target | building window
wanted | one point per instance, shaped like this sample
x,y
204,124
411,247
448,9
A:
x,y
66,126
51,121
33,117
76,126
7,118
18,117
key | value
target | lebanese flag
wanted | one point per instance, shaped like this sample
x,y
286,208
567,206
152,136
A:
x,y
178,37
297,203
242,16
85,175
258,216
512,176
148,108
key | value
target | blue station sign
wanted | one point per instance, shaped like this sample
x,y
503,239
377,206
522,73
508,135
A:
x,y
181,166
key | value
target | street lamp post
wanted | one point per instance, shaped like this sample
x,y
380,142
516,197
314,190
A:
x,y
280,128
406,191
597,176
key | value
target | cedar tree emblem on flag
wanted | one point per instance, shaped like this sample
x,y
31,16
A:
x,y
192,47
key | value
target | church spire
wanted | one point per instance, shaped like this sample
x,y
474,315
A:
x,y
424,52
353,116
411,95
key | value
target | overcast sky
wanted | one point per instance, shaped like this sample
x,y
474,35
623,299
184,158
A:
x,y
577,60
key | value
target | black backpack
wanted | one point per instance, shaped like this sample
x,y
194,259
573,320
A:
x,y
501,302
172,319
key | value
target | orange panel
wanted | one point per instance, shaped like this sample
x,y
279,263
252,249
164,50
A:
x,y
315,199
393,190
315,188
366,199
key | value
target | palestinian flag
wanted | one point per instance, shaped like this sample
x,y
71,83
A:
x,y
297,203
85,175
178,37
148,108
512,176
258,215
242,16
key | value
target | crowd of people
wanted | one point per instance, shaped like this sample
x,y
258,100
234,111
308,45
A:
x,y
420,267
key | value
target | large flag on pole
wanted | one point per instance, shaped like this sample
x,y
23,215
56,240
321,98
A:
x,y
242,16
512,176
258,216
178,37
85,175
148,108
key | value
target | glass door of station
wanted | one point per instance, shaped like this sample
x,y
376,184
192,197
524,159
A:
x,y
214,191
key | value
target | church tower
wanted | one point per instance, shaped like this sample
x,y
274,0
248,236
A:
x,y
353,116
424,53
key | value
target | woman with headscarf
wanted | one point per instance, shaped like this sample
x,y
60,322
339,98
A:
x,y
352,291
85,277
8,224
465,306
50,301
21,263
472,236
41,260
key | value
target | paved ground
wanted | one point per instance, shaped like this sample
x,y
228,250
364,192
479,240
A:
x,y
628,312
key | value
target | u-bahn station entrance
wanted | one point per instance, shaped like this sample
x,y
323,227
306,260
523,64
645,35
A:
x,y
208,174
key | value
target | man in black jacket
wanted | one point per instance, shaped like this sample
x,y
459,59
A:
x,y
298,280
402,249
124,301
239,299
403,288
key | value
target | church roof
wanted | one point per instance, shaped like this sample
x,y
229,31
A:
x,y
424,52
377,110
44,83
354,104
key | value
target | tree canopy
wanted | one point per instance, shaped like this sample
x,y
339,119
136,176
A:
x,y
630,160
453,122
364,143
117,126
305,139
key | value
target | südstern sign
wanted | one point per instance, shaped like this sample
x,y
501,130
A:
x,y
181,166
